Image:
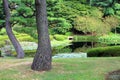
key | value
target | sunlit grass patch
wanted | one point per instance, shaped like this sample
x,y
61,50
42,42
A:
x,y
62,69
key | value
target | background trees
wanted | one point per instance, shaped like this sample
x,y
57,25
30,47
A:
x,y
61,14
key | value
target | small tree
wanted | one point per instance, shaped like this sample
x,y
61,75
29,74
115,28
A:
x,y
112,21
18,48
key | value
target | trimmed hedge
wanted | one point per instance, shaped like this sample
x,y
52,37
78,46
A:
x,y
55,50
25,37
2,43
20,37
28,53
111,51
60,37
51,37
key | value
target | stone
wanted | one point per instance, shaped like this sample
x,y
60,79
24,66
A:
x,y
71,55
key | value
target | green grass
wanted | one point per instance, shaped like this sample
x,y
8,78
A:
x,y
63,69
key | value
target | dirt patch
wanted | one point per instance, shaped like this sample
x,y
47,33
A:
x,y
6,66
114,75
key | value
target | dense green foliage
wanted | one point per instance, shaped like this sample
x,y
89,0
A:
x,y
110,39
65,15
104,52
32,31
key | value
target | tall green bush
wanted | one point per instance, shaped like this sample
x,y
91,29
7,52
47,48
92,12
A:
x,y
112,51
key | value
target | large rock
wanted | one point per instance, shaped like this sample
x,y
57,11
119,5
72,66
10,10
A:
x,y
71,55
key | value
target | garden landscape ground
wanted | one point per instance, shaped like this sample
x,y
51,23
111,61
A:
x,y
75,26
63,69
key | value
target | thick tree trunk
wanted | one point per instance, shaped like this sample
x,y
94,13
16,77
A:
x,y
42,59
18,48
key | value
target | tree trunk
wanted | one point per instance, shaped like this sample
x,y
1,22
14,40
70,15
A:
x,y
18,48
42,59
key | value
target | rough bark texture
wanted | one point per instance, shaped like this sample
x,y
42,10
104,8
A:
x,y
42,59
18,48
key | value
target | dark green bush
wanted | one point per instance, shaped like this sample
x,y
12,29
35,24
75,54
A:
x,y
110,51
60,37
81,49
0,54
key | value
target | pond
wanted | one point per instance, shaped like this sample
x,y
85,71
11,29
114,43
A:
x,y
73,47
77,47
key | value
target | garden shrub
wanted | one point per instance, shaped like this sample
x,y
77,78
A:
x,y
2,43
55,50
81,49
110,39
31,50
61,49
28,53
110,51
3,32
0,54
20,37
51,37
68,33
3,38
84,38
25,37
27,30
60,37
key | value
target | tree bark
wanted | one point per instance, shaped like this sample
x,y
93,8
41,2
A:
x,y
42,59
17,46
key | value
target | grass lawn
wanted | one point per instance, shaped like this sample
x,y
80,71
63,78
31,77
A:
x,y
63,69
